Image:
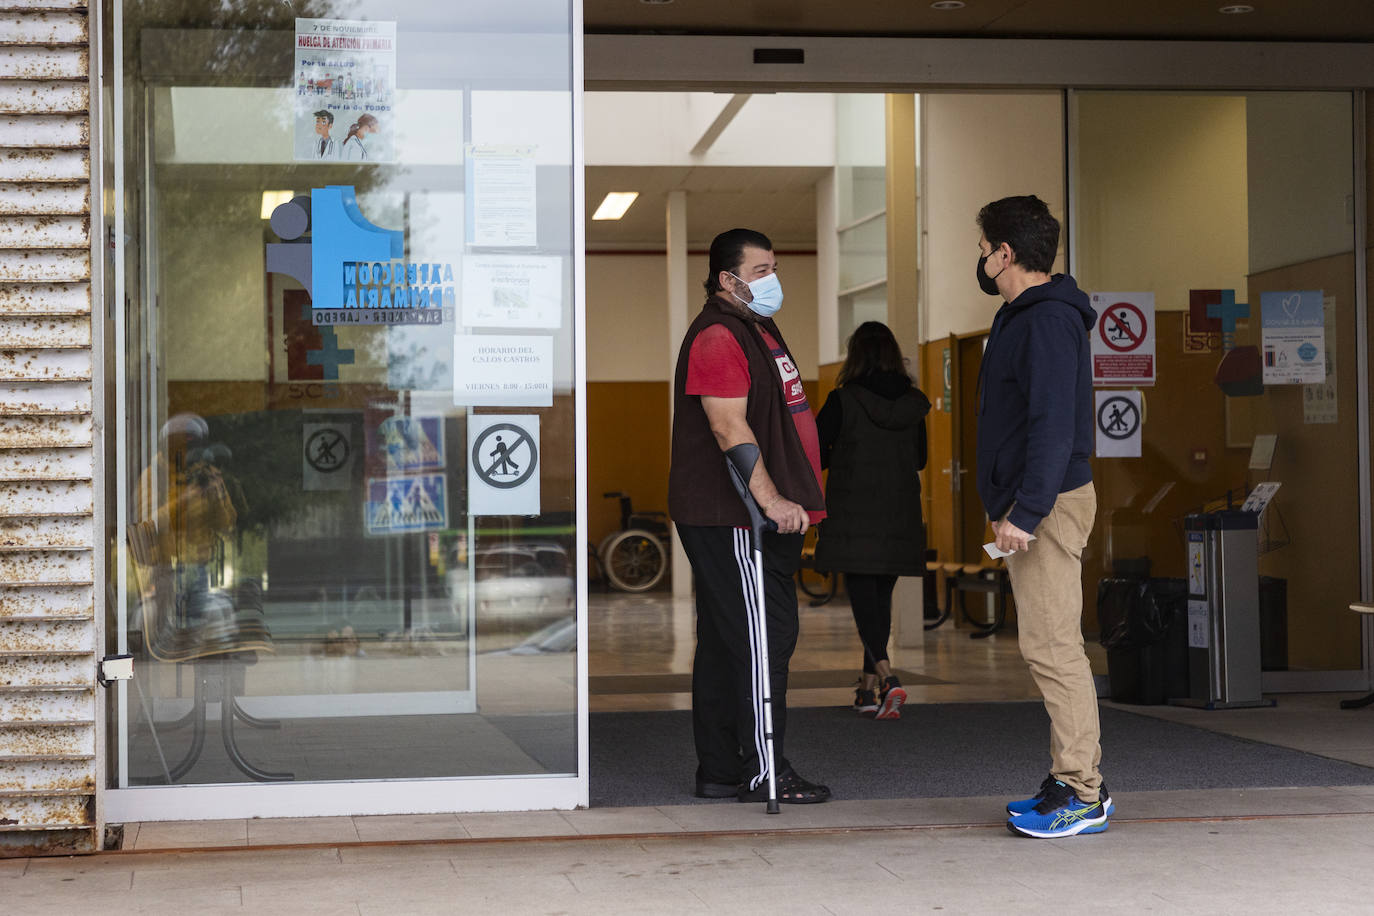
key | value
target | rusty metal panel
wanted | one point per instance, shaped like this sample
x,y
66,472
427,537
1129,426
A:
x,y
54,740
38,265
45,365
45,432
44,332
43,63
49,533
46,132
57,497
45,464
44,28
45,672
45,96
48,549
45,198
38,637
57,397
45,298
44,231
44,164
49,776
48,567
44,705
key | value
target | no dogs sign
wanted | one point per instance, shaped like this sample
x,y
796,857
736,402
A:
x,y
1123,345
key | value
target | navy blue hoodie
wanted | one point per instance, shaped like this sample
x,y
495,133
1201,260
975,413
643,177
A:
x,y
1035,402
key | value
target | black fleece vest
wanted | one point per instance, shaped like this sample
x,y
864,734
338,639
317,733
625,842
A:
x,y
699,488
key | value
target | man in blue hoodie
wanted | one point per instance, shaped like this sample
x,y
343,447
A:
x,y
1035,434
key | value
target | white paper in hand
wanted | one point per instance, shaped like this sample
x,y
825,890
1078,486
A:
x,y
993,551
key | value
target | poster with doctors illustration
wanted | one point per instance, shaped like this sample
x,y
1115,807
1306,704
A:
x,y
1293,337
345,98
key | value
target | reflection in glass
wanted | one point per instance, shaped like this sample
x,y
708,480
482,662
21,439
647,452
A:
x,y
1248,193
309,597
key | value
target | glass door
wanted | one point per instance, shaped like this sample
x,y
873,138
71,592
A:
x,y
1225,223
347,236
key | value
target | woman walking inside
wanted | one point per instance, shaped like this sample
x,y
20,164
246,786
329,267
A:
x,y
873,439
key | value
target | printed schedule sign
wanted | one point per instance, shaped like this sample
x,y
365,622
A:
x,y
1123,340
345,90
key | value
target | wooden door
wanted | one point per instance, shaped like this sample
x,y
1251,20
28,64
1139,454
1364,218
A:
x,y
970,521
939,495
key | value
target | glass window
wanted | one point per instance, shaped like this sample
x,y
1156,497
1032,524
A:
x,y
348,482
1244,202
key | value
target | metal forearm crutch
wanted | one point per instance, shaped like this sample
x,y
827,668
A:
x,y
741,460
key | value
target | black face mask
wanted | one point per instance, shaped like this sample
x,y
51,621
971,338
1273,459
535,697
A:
x,y
985,283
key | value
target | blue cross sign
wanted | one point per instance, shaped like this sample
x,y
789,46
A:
x,y
1228,310
330,355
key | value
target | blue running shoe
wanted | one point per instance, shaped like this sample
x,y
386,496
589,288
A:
x,y
1059,814
1026,805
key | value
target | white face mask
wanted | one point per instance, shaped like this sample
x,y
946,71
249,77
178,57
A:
x,y
767,293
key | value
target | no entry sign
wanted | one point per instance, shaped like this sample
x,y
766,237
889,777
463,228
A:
x,y
1123,345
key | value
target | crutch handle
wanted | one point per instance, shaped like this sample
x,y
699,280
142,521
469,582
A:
x,y
740,459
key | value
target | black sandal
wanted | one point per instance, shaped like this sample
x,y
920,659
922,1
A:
x,y
792,790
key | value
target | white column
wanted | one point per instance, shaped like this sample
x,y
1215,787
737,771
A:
x,y
827,273
678,285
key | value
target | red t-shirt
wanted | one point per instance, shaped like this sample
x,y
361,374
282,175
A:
x,y
718,368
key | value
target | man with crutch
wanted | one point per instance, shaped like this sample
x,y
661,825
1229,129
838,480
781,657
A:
x,y
736,384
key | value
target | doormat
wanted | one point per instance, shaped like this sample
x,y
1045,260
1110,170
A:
x,y
943,750
682,683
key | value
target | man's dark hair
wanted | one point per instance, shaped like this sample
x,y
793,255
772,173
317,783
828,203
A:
x,y
727,252
1026,225
328,115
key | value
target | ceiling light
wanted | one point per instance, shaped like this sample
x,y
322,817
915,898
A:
x,y
655,2
271,200
1235,9
615,205
948,5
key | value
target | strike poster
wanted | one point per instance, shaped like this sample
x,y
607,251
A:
x,y
345,90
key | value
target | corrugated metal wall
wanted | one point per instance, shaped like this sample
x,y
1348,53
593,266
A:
x,y
48,631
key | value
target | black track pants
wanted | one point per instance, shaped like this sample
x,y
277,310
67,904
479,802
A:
x,y
870,598
727,700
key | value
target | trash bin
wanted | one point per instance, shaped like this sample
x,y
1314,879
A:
x,y
1273,621
1143,626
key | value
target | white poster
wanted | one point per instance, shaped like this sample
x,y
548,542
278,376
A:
x,y
1123,340
1260,497
501,197
1197,576
1293,339
503,464
1199,636
503,370
512,291
345,90
326,456
1118,424
1319,400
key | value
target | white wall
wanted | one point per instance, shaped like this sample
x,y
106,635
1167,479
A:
x,y
977,148
660,128
627,321
1300,177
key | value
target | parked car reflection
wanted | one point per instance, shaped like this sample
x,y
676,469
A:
x,y
517,585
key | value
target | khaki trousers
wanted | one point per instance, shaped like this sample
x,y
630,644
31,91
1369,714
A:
x,y
1047,583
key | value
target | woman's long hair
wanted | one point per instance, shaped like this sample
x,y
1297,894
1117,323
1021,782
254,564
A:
x,y
871,349
366,120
